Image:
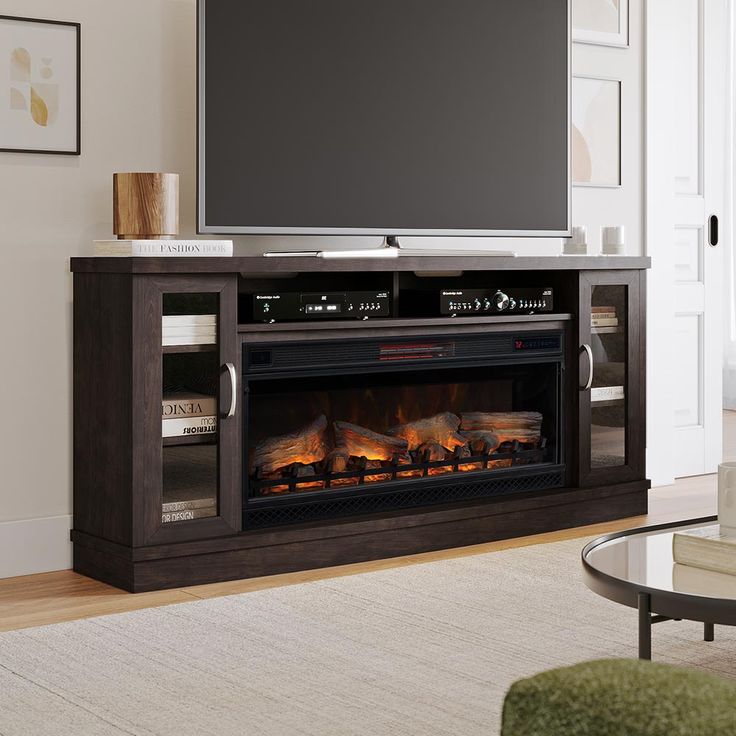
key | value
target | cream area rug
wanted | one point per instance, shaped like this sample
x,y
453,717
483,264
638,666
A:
x,y
424,650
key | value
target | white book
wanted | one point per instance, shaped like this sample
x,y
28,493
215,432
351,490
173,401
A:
x,y
163,248
187,320
187,515
192,331
607,393
188,426
604,321
190,505
181,404
188,340
705,547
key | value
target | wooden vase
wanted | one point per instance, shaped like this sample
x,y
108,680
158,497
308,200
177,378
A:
x,y
145,205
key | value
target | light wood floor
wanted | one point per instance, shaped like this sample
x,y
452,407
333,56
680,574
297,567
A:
x,y
35,600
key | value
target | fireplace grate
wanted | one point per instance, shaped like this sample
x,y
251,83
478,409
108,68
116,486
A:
x,y
422,495
513,455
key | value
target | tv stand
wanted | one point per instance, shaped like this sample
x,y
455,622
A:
x,y
155,511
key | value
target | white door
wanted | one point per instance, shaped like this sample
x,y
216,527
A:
x,y
687,81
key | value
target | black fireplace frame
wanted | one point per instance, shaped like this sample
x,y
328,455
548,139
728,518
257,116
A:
x,y
402,493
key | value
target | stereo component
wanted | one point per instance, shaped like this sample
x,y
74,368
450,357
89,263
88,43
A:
x,y
496,301
292,306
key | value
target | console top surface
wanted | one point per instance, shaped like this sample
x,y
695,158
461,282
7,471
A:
x,y
447,262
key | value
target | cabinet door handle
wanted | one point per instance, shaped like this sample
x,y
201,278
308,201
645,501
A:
x,y
230,368
591,363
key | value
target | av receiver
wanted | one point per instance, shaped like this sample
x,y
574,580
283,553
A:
x,y
291,306
496,301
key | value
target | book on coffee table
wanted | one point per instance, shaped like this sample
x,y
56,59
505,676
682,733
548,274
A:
x,y
705,547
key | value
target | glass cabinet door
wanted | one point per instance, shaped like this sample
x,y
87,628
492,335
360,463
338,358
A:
x,y
611,436
192,482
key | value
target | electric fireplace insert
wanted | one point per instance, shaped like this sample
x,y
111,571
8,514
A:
x,y
342,428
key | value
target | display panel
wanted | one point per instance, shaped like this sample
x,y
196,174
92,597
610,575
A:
x,y
387,117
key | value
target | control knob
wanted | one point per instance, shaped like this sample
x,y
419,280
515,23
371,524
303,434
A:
x,y
501,301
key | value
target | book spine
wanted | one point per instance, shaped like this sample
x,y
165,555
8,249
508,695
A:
x,y
189,320
705,554
174,248
595,322
168,516
163,248
192,340
188,426
193,505
607,393
192,331
206,406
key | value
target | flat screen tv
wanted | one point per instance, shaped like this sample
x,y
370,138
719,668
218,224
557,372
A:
x,y
385,117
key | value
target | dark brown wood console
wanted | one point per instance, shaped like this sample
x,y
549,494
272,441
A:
x,y
210,445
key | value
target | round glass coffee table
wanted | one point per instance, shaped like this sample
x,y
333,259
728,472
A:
x,y
636,568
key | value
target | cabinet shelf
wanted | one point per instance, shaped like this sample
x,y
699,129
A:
x,y
190,439
208,348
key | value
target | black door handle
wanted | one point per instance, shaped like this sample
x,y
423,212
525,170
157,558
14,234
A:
x,y
713,230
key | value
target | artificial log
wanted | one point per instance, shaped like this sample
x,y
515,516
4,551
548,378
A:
x,y
375,477
304,473
431,452
361,442
337,461
463,452
482,442
498,420
305,446
441,429
519,426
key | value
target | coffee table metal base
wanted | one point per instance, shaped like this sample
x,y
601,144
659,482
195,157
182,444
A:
x,y
647,618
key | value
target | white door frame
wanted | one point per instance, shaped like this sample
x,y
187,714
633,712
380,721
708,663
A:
x,y
684,292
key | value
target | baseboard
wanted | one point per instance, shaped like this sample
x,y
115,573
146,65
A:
x,y
35,545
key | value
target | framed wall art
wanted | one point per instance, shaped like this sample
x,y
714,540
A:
x,y
596,132
39,86
603,22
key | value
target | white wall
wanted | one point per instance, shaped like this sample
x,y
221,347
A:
x,y
138,113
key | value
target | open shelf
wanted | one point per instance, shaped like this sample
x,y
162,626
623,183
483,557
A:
x,y
402,322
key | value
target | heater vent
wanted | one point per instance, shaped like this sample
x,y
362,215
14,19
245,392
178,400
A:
x,y
333,354
421,495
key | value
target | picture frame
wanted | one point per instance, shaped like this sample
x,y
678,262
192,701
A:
x,y
40,79
596,123
601,22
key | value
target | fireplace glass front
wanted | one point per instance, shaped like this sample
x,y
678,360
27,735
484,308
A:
x,y
342,434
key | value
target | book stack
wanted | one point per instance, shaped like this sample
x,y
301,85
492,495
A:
x,y
705,547
188,414
195,508
189,329
603,317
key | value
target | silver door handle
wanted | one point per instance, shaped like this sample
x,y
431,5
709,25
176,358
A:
x,y
591,363
233,390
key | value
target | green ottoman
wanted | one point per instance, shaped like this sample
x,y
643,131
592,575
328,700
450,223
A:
x,y
620,698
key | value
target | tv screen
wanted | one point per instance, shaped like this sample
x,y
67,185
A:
x,y
393,117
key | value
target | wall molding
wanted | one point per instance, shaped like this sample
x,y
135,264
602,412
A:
x,y
31,546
